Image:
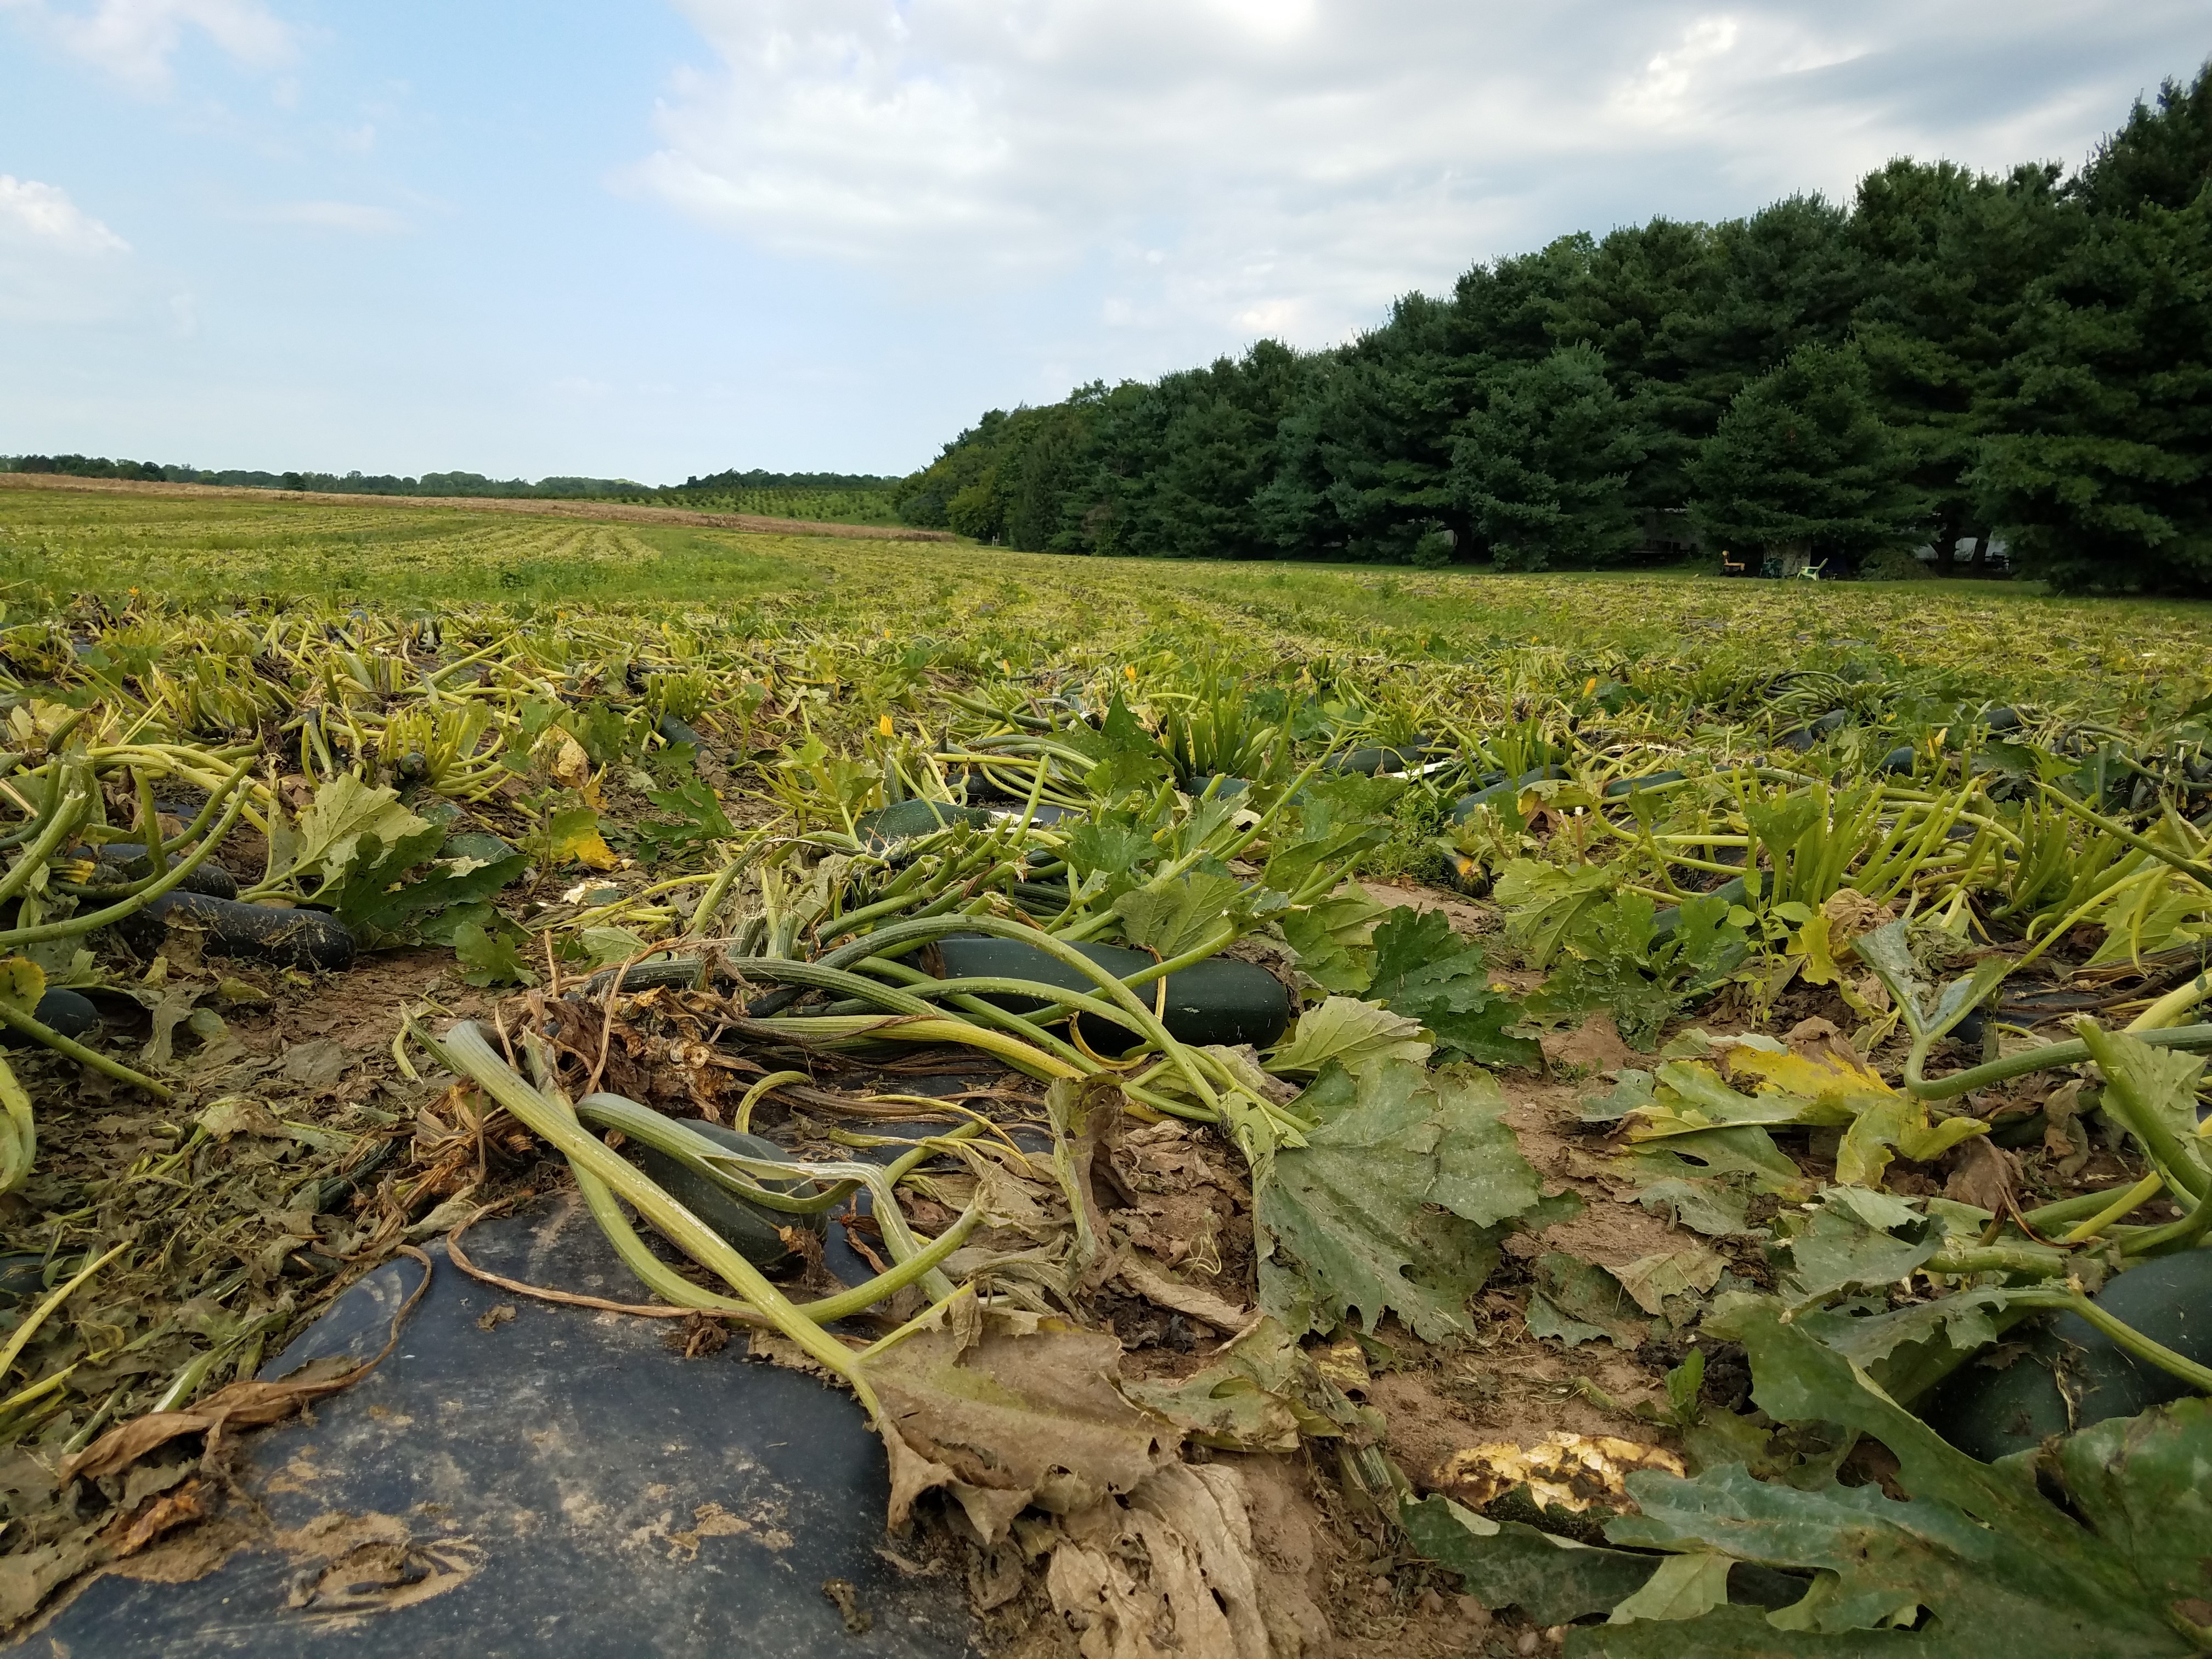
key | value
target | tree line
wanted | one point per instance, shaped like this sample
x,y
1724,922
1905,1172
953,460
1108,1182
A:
x,y
1953,357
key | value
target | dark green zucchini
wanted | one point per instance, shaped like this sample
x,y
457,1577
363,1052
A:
x,y
674,730
60,1011
126,861
1620,786
1502,793
283,938
1805,737
908,818
1217,1000
755,1232
1990,1414
1383,760
1897,761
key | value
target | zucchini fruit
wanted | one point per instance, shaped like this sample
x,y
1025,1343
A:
x,y
1805,737
1217,1000
1382,760
126,861
887,825
1620,787
1497,789
256,933
1989,1413
754,1233
62,1010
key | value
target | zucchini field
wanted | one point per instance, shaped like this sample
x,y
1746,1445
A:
x,y
1309,1109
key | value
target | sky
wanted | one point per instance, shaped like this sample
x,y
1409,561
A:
x,y
649,240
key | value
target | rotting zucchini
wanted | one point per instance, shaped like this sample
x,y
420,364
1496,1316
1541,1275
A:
x,y
257,932
1990,1412
1220,1000
756,1233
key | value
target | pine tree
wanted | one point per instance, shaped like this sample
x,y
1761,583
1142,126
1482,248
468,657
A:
x,y
1542,467
1802,459
2098,469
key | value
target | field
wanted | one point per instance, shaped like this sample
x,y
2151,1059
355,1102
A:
x,y
1665,1033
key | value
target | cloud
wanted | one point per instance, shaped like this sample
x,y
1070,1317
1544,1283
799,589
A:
x,y
355,218
42,218
57,263
1231,165
135,39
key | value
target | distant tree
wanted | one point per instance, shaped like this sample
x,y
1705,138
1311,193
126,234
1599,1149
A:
x,y
1640,303
1542,467
1802,458
2099,467
1949,256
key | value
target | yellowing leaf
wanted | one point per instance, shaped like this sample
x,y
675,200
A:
x,y
573,837
1827,1076
22,982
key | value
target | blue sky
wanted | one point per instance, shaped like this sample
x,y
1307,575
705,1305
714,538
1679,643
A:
x,y
651,239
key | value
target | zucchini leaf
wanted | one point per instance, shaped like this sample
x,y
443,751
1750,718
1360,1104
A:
x,y
1974,1559
1357,1036
1388,1206
1425,971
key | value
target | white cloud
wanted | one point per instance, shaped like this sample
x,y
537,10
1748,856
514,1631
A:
x,y
135,39
42,218
355,218
57,263
1236,164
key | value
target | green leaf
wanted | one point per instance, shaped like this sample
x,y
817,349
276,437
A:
x,y
489,958
1857,1240
330,833
1426,971
2140,1482
1345,1220
1998,1568
1174,916
1505,1563
1543,900
1359,1036
691,818
381,912
1126,756
1116,849
1332,939
1684,1587
572,836
1334,821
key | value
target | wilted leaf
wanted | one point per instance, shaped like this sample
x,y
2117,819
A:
x,y
1575,1301
1347,1216
1650,1279
573,837
1358,1035
1029,1411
